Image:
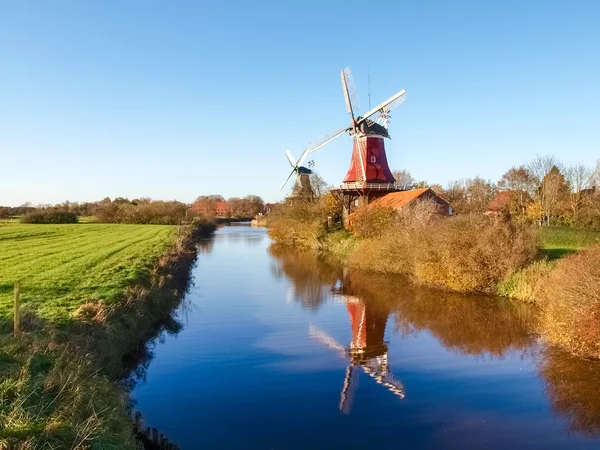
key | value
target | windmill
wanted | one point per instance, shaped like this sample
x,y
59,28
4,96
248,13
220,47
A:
x,y
369,175
367,352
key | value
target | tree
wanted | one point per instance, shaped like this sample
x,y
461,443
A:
x,y
318,184
403,178
479,194
520,182
579,177
552,189
455,193
4,214
551,183
437,188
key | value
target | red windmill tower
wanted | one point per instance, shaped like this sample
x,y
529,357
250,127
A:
x,y
369,175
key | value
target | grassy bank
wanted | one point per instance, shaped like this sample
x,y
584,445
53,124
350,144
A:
x,y
91,293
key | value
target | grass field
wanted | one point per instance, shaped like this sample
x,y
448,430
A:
x,y
63,266
561,241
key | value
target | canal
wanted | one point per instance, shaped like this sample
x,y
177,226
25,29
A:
x,y
279,350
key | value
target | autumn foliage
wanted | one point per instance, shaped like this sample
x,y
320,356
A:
x,y
570,302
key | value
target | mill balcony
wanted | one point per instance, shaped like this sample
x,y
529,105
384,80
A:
x,y
365,186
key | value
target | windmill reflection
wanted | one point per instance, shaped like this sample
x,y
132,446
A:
x,y
367,351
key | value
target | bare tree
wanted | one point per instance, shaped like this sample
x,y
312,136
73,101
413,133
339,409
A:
x,y
479,193
541,166
579,177
318,184
403,178
551,182
522,185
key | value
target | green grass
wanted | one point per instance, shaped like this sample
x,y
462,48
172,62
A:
x,y
558,242
63,266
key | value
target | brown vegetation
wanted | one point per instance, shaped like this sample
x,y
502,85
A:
x,y
142,212
570,302
572,387
302,224
468,253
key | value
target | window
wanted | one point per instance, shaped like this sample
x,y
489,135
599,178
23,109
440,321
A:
x,y
373,159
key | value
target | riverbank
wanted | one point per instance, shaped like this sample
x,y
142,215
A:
x,y
92,294
469,254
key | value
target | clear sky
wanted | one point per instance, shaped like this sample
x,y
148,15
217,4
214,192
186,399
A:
x,y
174,99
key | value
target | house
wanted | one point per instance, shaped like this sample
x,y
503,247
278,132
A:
x,y
507,203
500,204
222,209
398,200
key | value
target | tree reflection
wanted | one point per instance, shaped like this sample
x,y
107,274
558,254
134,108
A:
x,y
467,324
311,277
573,385
205,246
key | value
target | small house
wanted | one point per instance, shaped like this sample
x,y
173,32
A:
x,y
398,200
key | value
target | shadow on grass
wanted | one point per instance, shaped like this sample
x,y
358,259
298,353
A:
x,y
557,253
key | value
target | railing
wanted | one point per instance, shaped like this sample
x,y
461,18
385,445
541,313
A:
x,y
359,186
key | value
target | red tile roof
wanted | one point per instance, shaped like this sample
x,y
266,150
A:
x,y
400,199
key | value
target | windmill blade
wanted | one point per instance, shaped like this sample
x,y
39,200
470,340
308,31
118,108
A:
x,y
392,100
349,91
348,390
325,339
387,109
302,157
361,151
314,146
388,381
290,158
287,179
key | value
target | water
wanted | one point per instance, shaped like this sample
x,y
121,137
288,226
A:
x,y
283,351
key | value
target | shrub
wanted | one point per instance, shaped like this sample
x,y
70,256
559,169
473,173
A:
x,y
146,212
570,301
49,216
301,224
525,284
372,220
468,253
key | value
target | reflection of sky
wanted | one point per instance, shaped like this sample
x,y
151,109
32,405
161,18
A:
x,y
245,374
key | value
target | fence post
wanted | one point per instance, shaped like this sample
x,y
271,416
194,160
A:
x,y
17,320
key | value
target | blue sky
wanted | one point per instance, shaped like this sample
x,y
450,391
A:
x,y
172,100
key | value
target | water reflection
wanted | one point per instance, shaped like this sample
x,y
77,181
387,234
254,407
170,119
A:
x,y
475,325
450,371
312,279
573,387
367,351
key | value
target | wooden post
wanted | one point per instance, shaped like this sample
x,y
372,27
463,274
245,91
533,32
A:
x,y
17,321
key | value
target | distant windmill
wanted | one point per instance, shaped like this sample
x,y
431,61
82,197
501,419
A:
x,y
369,176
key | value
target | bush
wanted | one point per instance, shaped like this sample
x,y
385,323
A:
x,y
525,284
146,212
372,221
49,216
570,302
468,253
301,224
